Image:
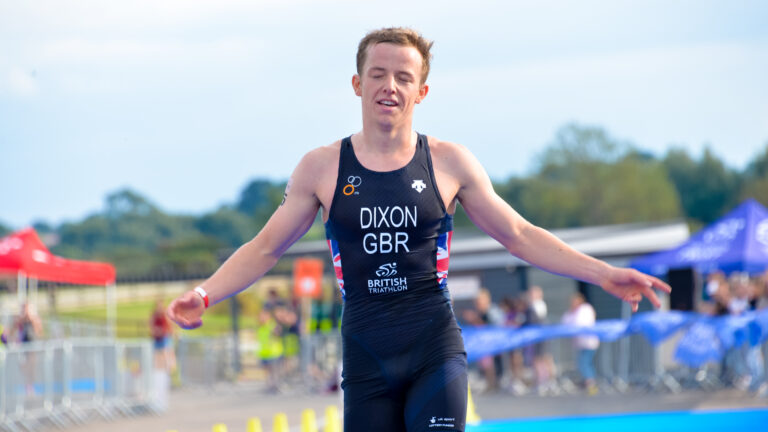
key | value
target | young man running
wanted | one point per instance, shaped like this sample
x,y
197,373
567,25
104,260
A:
x,y
388,195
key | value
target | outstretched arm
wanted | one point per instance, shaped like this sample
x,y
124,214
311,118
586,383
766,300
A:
x,y
253,259
538,246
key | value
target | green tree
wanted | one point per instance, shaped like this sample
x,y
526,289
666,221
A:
x,y
4,230
586,177
707,187
230,227
259,199
128,233
193,256
756,178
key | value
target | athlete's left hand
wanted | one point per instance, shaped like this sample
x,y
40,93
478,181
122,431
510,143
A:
x,y
631,285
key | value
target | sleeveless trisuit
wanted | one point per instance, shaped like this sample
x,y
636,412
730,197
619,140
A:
x,y
404,364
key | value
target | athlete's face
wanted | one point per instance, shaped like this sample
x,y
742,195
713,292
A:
x,y
390,85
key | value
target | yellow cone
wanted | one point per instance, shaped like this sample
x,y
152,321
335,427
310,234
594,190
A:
x,y
280,423
472,416
332,421
254,425
219,427
308,421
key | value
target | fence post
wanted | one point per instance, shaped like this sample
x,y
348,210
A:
x,y
624,348
146,370
119,379
48,377
3,386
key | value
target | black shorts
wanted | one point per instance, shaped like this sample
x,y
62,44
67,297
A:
x,y
408,379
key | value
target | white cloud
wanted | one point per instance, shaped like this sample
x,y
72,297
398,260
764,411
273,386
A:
x,y
22,83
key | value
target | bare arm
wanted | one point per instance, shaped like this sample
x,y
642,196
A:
x,y
253,259
538,246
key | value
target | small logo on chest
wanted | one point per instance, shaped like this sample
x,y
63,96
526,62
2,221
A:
x,y
418,185
352,183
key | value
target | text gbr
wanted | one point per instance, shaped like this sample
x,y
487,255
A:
x,y
387,217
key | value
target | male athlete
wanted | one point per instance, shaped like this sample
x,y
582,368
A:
x,y
388,195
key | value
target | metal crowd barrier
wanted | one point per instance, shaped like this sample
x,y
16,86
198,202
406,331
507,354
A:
x,y
206,361
62,382
629,364
65,382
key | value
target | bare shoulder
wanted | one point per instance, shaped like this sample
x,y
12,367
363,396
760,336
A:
x,y
316,172
317,163
321,157
453,158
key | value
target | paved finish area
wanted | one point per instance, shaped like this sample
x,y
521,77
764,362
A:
x,y
197,410
675,421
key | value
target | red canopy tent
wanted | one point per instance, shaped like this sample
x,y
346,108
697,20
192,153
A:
x,y
24,255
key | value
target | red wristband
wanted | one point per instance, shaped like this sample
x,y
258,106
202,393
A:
x,y
202,294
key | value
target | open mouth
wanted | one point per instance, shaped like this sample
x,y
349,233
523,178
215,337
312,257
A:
x,y
386,102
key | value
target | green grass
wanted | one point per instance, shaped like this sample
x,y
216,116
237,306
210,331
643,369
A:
x,y
133,320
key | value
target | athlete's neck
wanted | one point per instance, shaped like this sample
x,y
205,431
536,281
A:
x,y
385,142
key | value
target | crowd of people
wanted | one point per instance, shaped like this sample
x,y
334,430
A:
x,y
735,295
532,367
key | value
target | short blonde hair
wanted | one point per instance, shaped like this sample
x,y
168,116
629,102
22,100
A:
x,y
398,36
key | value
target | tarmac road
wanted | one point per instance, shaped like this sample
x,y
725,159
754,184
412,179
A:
x,y
197,410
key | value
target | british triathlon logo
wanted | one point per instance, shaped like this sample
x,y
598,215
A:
x,y
418,185
353,182
387,270
385,283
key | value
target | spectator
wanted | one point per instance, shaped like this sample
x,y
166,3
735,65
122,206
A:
x,y
582,314
761,291
487,313
714,281
273,300
746,360
543,364
721,299
742,294
286,317
269,336
161,332
514,316
27,328
714,287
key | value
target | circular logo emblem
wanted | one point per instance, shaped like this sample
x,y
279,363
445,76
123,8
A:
x,y
353,182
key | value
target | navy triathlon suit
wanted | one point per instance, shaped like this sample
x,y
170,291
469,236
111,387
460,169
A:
x,y
404,364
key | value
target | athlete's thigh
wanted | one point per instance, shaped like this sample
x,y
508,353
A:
x,y
377,414
437,400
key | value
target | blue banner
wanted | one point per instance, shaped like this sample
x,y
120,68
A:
x,y
484,341
658,326
700,344
706,339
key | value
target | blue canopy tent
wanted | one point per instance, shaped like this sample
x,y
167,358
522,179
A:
x,y
736,242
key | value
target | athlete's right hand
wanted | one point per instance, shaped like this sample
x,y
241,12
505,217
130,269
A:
x,y
187,310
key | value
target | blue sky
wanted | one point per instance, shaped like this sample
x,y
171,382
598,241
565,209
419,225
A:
x,y
186,101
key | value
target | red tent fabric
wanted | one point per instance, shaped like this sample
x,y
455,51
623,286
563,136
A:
x,y
23,251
